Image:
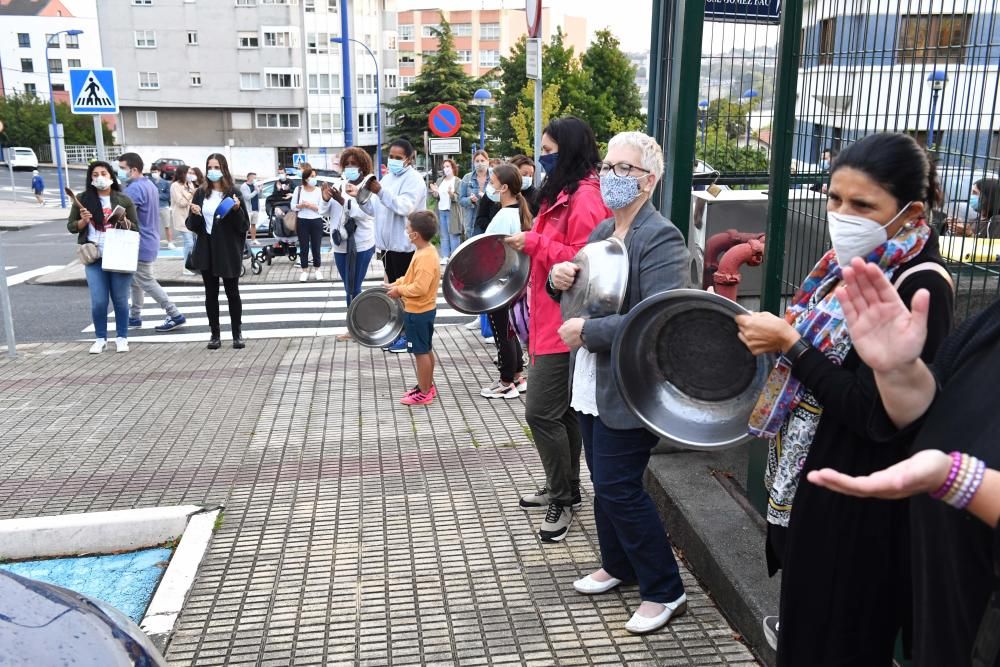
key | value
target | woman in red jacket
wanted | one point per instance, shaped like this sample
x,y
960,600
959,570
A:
x,y
570,207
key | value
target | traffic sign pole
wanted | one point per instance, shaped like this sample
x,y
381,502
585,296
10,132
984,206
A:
x,y
99,137
8,317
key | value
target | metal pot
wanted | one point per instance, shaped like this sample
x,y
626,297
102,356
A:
x,y
374,319
599,288
684,373
485,274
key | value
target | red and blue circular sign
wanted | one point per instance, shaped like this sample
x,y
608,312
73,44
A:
x,y
444,120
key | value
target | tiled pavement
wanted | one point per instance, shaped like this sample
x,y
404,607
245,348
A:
x,y
356,531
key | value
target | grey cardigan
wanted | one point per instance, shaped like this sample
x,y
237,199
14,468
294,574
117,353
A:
x,y
658,261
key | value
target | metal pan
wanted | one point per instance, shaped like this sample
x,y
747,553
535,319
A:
x,y
684,373
485,274
374,319
599,288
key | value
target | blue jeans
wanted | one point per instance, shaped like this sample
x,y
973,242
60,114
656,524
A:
x,y
108,287
189,239
470,223
634,546
363,259
449,241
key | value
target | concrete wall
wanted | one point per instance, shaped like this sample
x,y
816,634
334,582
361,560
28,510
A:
x,y
185,127
262,161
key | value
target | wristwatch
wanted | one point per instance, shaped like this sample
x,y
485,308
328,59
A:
x,y
798,348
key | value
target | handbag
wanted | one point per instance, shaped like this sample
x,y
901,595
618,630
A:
x,y
291,218
88,253
121,250
520,314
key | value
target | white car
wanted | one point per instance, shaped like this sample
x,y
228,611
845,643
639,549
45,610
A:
x,y
23,158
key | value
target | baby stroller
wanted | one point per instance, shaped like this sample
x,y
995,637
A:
x,y
285,241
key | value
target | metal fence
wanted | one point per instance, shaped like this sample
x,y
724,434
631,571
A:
x,y
77,154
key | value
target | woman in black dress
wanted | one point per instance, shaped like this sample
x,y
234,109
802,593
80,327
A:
x,y
845,591
221,225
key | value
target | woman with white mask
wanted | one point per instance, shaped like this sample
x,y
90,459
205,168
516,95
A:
x,y
449,211
845,589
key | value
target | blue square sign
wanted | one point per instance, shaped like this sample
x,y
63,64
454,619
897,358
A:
x,y
92,90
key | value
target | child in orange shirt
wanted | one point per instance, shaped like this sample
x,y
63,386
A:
x,y
418,289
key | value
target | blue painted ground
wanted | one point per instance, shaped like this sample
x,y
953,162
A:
x,y
125,581
166,252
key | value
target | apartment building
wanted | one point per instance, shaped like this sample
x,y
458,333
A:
x,y
257,79
481,36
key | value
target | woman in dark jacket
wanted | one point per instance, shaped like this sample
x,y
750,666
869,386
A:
x,y
221,225
845,585
99,199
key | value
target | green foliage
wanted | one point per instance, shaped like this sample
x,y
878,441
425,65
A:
x,y
441,80
523,121
611,103
724,154
26,119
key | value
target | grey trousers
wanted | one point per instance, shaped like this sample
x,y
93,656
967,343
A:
x,y
554,425
144,282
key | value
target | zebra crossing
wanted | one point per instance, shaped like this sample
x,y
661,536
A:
x,y
269,311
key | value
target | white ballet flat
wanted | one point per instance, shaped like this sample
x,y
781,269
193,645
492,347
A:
x,y
640,625
590,586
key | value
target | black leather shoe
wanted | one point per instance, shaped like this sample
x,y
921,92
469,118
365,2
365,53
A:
x,y
239,343
215,343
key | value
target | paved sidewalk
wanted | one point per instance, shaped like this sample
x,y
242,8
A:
x,y
23,214
356,530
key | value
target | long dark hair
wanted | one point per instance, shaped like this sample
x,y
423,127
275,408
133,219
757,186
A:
x,y
91,198
507,174
577,157
227,179
180,174
897,163
989,197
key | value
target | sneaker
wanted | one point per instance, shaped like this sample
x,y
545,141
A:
x,y
303,277
444,260
399,346
121,344
522,384
536,500
135,323
99,346
318,275
255,242
171,323
771,631
500,390
418,397
556,524
189,273
171,246
489,339
473,325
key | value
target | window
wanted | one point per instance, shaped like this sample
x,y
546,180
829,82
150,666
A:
x,y
142,3
461,29
241,120
149,80
464,56
73,62
366,122
279,2
146,120
72,41
391,80
145,39
323,123
428,30
331,5
933,38
406,33
827,40
318,42
390,41
489,58
29,89
249,81
58,87
278,39
52,40
309,5
405,82
278,120
55,65
406,58
246,3
322,84
195,78
192,38
24,39
489,31
248,40
282,80
27,65
366,84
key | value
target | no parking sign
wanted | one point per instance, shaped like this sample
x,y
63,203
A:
x,y
444,120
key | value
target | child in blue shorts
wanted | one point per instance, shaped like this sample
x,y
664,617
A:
x,y
418,289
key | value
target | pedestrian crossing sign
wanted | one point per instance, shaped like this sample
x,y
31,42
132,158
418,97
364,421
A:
x,y
92,90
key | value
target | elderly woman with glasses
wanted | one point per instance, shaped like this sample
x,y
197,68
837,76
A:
x,y
634,547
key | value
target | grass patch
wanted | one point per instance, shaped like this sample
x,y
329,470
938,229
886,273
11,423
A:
x,y
527,432
218,521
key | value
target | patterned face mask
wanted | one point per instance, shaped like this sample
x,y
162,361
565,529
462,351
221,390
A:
x,y
619,191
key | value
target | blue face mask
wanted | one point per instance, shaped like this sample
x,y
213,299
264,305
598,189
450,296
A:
x,y
122,174
214,175
549,162
352,173
396,167
974,203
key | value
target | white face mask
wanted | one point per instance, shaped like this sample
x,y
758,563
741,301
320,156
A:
x,y
856,236
447,170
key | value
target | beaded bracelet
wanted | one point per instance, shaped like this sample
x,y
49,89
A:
x,y
956,462
964,479
961,480
976,479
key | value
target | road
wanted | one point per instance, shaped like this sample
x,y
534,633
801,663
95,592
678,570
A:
x,y
22,181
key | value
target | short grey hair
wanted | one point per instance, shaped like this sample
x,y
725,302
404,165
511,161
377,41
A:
x,y
652,154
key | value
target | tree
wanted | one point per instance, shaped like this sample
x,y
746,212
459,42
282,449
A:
x,y
611,101
27,120
441,80
522,123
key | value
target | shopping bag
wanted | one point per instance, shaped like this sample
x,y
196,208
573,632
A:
x,y
121,251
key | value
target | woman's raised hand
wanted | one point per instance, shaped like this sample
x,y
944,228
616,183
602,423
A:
x,y
923,472
886,335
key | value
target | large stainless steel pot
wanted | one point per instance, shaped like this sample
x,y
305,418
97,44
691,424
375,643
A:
x,y
374,319
599,288
683,371
485,274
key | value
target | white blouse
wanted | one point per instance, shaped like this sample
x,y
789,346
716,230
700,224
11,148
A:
x,y
585,383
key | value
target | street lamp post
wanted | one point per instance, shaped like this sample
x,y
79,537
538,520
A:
x,y
482,98
703,106
937,79
748,95
378,100
52,111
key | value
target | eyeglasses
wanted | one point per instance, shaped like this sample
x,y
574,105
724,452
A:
x,y
620,169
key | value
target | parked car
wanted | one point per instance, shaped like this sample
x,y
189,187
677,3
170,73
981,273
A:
x,y
266,187
167,166
24,158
